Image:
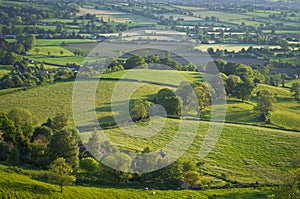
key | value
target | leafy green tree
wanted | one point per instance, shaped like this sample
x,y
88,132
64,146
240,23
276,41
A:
x,y
10,133
61,173
244,90
172,176
24,120
169,101
231,83
192,178
265,100
244,72
296,90
5,149
63,144
203,95
14,156
37,50
134,61
42,132
140,110
90,165
59,122
164,93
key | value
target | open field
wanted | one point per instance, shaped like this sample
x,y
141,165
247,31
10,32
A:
x,y
57,97
53,50
243,153
20,185
58,42
116,16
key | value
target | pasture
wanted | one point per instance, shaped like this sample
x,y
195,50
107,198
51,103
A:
x,y
16,183
116,16
244,153
58,42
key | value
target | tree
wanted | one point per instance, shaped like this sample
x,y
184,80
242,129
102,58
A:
x,y
172,106
284,44
10,133
265,100
59,122
36,50
244,90
296,90
63,144
203,96
42,133
169,101
134,61
140,110
24,120
164,93
61,173
192,178
61,52
90,165
172,175
231,83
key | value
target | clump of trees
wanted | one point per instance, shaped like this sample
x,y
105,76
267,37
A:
x,y
22,75
265,100
296,90
239,79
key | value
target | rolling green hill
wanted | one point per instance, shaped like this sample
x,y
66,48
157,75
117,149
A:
x,y
244,153
15,184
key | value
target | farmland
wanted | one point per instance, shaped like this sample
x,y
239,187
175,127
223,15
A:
x,y
147,99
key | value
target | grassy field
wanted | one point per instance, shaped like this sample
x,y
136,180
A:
x,y
58,42
15,184
53,50
4,70
243,153
55,97
116,16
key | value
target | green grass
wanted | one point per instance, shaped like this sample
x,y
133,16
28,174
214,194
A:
x,y
243,153
62,60
4,70
54,51
116,16
18,185
57,97
290,83
57,42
